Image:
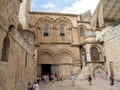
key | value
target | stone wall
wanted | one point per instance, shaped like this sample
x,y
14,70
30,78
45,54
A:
x,y
112,50
19,69
28,38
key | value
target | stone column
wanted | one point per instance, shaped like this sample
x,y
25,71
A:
x,y
39,70
83,59
88,56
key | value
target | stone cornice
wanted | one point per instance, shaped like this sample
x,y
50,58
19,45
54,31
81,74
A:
x,y
54,13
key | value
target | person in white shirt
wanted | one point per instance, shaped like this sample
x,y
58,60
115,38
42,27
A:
x,y
60,80
73,79
36,86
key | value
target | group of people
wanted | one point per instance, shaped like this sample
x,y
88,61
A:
x,y
35,86
47,78
72,80
111,80
57,78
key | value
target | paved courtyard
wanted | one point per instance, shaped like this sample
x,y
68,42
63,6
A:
x,y
80,85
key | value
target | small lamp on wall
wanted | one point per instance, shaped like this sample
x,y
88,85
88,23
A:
x,y
21,1
33,55
11,27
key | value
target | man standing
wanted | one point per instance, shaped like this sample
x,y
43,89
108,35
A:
x,y
89,79
111,80
73,79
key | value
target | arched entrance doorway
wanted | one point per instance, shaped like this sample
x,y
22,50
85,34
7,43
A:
x,y
46,64
46,69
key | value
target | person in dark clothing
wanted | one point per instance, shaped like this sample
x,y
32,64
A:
x,y
29,86
89,79
38,80
60,80
111,80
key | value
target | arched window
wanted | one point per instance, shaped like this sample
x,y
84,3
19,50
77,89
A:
x,y
95,54
46,30
5,49
82,33
62,30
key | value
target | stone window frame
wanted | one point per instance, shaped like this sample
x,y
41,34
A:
x,y
95,54
46,30
5,49
62,30
82,31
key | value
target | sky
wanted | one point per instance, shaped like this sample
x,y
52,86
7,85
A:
x,y
64,6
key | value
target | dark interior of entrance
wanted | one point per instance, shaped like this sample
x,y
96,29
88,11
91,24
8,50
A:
x,y
46,69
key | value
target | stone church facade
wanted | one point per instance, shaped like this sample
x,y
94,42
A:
x,y
33,44
66,45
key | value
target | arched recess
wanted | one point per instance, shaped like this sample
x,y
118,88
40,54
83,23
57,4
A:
x,y
83,57
82,30
64,21
64,56
46,57
45,62
99,72
83,26
65,61
95,53
44,20
41,23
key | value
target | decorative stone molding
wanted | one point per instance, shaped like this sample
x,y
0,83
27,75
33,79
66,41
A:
x,y
54,28
40,28
69,28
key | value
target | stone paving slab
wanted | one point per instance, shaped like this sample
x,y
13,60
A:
x,y
79,85
66,85
98,85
